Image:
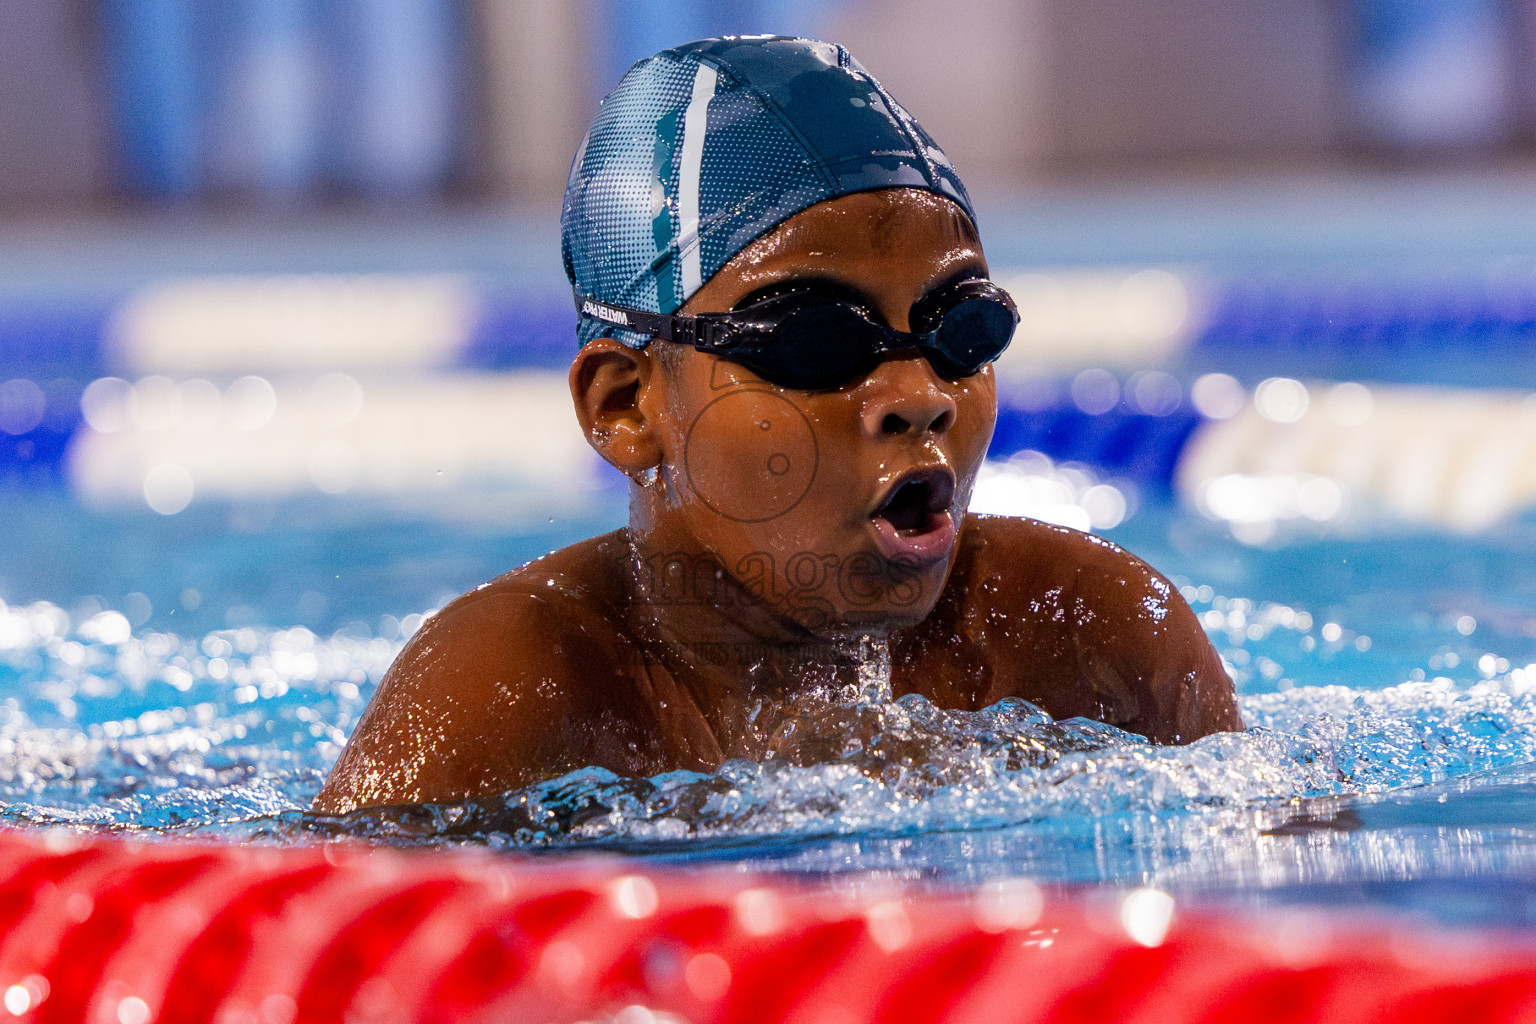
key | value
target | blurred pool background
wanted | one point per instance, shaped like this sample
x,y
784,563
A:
x,y
283,332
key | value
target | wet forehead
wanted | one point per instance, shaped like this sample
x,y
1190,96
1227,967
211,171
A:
x,y
899,241
885,223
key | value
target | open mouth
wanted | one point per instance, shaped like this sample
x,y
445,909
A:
x,y
919,501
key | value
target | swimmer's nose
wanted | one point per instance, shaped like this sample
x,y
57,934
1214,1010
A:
x,y
906,396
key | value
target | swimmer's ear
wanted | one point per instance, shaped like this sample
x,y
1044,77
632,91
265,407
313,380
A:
x,y
608,381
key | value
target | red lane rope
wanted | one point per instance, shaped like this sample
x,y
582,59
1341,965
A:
x,y
108,931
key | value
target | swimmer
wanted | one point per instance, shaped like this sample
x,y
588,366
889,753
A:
x,y
786,329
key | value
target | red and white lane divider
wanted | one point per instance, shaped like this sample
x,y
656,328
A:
x,y
115,932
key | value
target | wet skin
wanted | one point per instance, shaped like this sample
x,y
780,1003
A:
x,y
772,532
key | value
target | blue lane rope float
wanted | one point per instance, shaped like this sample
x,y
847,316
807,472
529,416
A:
x,y
508,340
1140,448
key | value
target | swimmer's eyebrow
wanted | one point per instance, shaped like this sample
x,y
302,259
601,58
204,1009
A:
x,y
963,274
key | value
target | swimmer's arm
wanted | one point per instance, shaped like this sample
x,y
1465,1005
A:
x,y
486,697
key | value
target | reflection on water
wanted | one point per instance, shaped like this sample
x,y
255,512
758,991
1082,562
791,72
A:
x,y
1334,789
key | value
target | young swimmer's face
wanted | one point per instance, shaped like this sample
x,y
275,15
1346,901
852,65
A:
x,y
839,509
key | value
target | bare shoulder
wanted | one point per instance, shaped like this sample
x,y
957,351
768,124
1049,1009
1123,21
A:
x,y
517,680
1097,631
1098,570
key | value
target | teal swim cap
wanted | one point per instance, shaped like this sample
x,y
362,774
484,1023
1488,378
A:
x,y
703,148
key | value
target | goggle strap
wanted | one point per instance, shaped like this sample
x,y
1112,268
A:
x,y
717,334
661,325
702,332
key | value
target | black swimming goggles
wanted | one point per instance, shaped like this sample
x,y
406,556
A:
x,y
812,340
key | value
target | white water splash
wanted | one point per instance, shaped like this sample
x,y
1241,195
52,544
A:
x,y
234,731
874,672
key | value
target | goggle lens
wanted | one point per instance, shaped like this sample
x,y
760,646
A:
x,y
818,343
815,341
817,346
974,332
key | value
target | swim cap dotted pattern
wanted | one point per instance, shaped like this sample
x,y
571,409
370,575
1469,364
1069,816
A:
x,y
703,148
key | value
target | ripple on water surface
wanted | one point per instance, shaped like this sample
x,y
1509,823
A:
x,y
231,734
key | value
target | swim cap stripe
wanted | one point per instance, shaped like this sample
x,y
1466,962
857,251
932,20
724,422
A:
x,y
695,124
703,148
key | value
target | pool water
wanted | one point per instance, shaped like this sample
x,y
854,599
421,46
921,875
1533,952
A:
x,y
200,678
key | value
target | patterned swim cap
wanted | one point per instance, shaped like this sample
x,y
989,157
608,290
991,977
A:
x,y
703,148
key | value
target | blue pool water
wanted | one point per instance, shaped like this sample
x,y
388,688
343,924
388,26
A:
x,y
196,674
1387,676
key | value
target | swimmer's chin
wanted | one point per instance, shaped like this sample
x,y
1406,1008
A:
x,y
856,626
